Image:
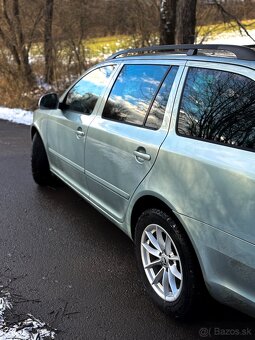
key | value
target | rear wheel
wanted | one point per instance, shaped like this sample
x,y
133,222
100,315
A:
x,y
166,262
39,162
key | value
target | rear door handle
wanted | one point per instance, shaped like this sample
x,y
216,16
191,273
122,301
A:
x,y
80,133
141,155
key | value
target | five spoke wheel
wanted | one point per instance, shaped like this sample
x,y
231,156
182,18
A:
x,y
161,262
167,263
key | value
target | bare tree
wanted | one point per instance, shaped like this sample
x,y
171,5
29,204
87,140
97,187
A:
x,y
144,26
185,21
72,33
177,21
48,41
227,15
167,21
16,38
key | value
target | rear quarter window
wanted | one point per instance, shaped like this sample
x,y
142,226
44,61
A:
x,y
218,106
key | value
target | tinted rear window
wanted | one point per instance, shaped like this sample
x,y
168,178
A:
x,y
218,106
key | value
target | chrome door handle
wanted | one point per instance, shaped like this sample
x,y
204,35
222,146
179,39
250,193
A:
x,y
141,155
80,133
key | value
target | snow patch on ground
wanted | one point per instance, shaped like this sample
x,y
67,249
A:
x,y
233,38
16,115
29,329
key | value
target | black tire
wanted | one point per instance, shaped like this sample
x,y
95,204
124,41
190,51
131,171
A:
x,y
186,294
39,162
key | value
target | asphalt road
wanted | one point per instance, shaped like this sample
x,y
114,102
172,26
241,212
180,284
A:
x,y
67,265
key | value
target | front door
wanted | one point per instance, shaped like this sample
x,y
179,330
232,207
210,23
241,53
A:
x,y
68,126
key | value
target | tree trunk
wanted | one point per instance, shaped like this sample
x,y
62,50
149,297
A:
x,y
167,22
25,69
22,54
48,42
185,21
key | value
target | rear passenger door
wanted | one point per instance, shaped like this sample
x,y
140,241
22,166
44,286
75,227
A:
x,y
122,143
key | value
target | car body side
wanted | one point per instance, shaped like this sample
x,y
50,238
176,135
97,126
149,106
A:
x,y
208,187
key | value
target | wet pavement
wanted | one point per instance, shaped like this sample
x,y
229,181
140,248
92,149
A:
x,y
65,264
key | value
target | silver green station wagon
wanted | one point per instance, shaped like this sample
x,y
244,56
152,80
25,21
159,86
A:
x,y
161,140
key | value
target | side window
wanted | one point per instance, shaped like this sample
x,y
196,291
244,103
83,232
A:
x,y
218,106
133,92
158,108
84,95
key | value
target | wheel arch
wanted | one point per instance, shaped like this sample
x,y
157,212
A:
x,y
33,131
146,202
149,201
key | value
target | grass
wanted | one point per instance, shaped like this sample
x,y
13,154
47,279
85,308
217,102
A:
x,y
95,47
103,46
114,43
107,45
214,30
110,44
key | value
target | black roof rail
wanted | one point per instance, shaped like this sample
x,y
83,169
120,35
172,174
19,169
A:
x,y
241,52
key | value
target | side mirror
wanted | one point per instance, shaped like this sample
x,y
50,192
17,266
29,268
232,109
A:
x,y
49,101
